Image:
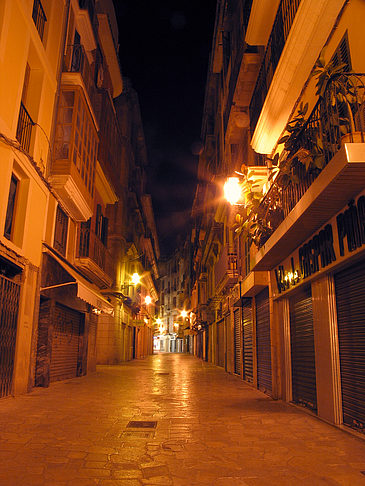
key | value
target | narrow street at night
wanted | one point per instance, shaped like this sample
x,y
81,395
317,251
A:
x,y
211,429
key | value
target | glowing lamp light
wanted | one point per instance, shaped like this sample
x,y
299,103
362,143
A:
x,y
184,314
136,278
158,321
232,190
147,300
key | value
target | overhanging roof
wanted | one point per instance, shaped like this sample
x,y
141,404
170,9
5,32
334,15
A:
x,y
85,290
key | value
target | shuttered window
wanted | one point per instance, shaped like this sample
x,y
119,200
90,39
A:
x,y
60,232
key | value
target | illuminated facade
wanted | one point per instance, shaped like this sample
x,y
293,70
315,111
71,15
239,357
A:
x,y
280,306
65,173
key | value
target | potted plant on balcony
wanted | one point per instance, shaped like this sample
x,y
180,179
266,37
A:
x,y
342,96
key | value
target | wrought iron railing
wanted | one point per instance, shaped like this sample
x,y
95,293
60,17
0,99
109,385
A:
x,y
338,117
279,33
91,246
39,17
24,128
76,62
226,265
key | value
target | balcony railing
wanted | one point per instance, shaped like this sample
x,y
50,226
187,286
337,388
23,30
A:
x,y
76,62
39,17
226,270
24,128
338,117
90,246
279,33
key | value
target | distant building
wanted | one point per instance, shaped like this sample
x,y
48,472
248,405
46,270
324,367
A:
x,y
174,299
281,305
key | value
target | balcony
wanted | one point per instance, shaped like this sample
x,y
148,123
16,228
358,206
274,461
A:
x,y
280,31
39,17
77,71
300,27
87,23
225,270
24,128
93,258
336,131
75,152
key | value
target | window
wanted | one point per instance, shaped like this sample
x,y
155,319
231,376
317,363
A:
x,y
342,54
10,212
101,226
16,210
60,232
76,137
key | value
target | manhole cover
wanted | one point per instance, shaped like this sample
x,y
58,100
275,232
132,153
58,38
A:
x,y
162,374
142,424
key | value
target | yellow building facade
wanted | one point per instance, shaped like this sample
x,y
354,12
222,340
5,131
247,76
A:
x,y
278,278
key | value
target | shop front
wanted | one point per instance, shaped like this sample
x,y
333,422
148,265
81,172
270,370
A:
x,y
67,327
319,304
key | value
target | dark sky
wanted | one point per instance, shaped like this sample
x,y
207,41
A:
x,y
164,50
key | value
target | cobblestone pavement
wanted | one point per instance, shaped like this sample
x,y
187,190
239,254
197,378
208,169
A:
x,y
212,430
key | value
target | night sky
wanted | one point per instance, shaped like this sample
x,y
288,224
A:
x,y
164,50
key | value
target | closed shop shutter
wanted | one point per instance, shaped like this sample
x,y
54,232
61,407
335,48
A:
x,y
66,342
9,305
350,297
237,342
206,343
247,342
220,342
91,350
302,349
263,342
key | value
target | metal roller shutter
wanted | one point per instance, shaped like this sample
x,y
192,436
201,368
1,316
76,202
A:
x,y
263,342
67,328
302,349
237,342
247,342
9,305
220,342
350,292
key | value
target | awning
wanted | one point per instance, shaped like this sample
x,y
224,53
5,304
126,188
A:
x,y
85,290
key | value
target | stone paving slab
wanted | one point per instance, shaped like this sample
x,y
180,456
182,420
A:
x,y
212,430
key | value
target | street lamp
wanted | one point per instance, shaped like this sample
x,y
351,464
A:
x,y
233,190
136,279
147,300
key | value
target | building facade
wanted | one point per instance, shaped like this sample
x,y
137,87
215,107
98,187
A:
x,y
63,157
277,280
